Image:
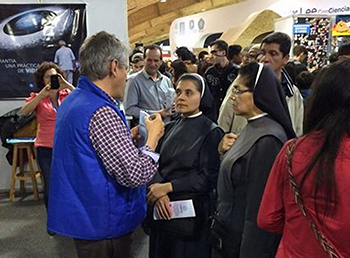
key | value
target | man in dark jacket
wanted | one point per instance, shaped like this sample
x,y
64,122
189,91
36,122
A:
x,y
220,76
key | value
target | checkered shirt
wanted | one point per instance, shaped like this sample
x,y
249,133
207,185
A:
x,y
132,167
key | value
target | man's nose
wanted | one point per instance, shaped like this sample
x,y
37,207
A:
x,y
263,59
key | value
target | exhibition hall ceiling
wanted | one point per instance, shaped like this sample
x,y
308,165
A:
x,y
149,20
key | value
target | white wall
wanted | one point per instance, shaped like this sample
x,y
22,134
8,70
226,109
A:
x,y
108,15
219,20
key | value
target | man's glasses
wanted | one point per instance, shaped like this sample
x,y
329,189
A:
x,y
127,67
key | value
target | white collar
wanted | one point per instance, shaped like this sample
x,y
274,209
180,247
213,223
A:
x,y
261,66
257,116
195,115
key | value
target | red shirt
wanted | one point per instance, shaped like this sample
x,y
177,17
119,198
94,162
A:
x,y
46,116
279,212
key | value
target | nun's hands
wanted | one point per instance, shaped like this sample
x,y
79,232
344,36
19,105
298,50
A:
x,y
163,207
226,143
157,191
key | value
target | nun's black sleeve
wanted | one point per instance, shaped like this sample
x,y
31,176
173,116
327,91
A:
x,y
209,163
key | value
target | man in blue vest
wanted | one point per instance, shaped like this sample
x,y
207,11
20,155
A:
x,y
98,175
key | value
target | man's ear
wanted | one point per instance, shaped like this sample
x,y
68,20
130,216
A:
x,y
113,67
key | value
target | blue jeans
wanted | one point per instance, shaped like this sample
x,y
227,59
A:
x,y
44,156
69,76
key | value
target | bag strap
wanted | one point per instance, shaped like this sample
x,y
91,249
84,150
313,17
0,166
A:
x,y
327,246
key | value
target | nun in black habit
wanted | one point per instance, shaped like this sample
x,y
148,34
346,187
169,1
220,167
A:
x,y
188,170
257,96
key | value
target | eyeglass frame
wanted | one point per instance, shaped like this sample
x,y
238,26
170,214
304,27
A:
x,y
127,67
238,92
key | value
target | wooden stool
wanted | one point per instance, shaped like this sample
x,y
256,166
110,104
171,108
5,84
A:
x,y
21,147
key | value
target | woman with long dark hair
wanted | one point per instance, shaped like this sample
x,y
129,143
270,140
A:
x,y
317,169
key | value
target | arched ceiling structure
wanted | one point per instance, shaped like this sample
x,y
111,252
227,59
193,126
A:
x,y
149,20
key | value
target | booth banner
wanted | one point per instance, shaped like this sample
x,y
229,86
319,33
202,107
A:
x,y
301,29
342,26
313,33
29,35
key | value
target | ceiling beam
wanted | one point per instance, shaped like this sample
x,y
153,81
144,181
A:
x,y
137,5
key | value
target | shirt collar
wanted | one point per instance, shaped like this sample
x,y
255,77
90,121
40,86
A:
x,y
114,101
147,76
257,116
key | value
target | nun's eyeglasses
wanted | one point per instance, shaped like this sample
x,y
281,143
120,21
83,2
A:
x,y
238,92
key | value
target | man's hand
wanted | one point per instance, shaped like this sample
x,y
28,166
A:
x,y
226,142
135,134
157,191
155,130
163,207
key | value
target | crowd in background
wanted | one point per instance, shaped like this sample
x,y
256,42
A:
x,y
219,122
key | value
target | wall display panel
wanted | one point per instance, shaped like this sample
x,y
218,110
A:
x,y
340,31
29,35
314,34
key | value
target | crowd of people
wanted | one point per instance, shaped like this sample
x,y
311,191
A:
x,y
227,139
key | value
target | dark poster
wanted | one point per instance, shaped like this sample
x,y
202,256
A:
x,y
29,35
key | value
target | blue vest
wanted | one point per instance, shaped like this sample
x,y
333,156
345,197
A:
x,y
85,201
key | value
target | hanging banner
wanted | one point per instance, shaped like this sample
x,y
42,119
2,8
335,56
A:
x,y
29,35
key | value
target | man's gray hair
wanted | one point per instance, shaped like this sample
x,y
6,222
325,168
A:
x,y
96,53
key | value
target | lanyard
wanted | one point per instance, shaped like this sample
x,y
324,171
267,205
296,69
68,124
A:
x,y
55,107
